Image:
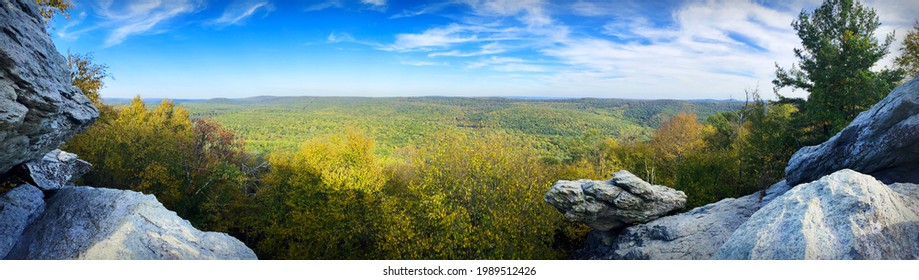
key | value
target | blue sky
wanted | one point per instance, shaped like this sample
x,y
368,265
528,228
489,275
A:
x,y
616,49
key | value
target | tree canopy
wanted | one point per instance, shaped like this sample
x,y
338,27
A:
x,y
908,60
834,65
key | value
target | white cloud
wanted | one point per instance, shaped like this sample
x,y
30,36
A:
x,y
622,9
336,37
421,63
65,32
322,5
507,64
530,12
141,16
437,37
711,46
697,49
487,49
374,2
426,9
238,11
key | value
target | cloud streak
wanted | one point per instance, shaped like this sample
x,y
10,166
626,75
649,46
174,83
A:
x,y
141,17
238,11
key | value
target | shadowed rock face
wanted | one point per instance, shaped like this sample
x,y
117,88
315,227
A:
x,y
882,142
845,215
18,208
605,205
95,223
39,108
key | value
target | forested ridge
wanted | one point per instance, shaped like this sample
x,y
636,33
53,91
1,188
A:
x,y
271,123
464,178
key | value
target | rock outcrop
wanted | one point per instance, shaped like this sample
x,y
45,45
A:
x,y
18,208
54,170
849,213
621,201
881,142
693,235
96,223
39,108
845,215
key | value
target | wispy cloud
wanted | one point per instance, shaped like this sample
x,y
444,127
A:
x,y
65,32
322,5
374,2
375,5
487,49
507,64
241,10
141,16
530,12
335,37
437,37
422,63
732,42
423,10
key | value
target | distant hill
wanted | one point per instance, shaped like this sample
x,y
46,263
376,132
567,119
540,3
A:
x,y
270,123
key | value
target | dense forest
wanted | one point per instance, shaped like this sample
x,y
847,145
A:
x,y
463,178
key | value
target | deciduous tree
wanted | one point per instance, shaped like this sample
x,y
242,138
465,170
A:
x,y
908,60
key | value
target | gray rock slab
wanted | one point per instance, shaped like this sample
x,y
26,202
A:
x,y
845,215
96,223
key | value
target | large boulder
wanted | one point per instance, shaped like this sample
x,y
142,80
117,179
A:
x,y
882,141
693,235
606,205
18,208
39,108
91,223
846,215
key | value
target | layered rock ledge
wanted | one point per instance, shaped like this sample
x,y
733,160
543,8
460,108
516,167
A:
x,y
612,204
39,108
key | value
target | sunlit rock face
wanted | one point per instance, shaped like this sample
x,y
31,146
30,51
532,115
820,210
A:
x,y
845,215
97,223
693,235
612,204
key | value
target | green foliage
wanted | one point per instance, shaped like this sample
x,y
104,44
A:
x,y
324,201
839,49
462,196
88,76
908,61
194,168
49,8
478,195
766,144
283,123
